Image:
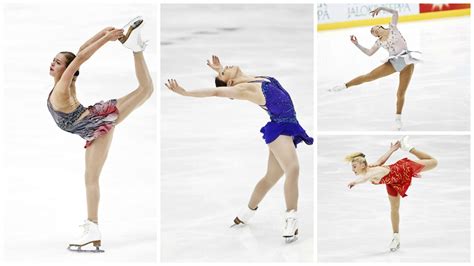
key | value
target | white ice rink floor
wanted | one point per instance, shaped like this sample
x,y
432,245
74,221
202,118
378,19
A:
x,y
45,193
354,225
212,151
437,97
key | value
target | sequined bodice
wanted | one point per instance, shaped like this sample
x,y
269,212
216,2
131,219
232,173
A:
x,y
278,103
66,121
395,42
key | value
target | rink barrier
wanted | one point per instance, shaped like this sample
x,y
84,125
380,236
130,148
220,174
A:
x,y
407,18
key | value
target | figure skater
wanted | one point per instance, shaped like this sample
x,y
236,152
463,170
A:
x,y
396,177
281,134
96,123
400,60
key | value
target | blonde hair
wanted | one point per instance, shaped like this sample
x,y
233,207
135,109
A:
x,y
356,157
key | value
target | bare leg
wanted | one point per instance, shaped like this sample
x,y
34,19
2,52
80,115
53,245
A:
x,y
395,214
274,173
405,77
379,72
425,159
131,101
285,153
96,154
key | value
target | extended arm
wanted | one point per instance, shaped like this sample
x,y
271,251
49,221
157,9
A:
x,y
83,56
235,92
359,180
389,10
95,38
366,51
393,147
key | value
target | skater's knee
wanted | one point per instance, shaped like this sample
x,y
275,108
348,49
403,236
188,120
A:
x,y
91,180
434,162
292,171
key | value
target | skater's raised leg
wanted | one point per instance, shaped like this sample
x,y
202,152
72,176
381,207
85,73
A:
x,y
285,153
425,159
379,72
131,101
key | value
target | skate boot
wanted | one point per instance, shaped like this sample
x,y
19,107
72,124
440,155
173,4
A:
x,y
338,88
132,38
244,216
395,244
404,145
91,234
290,232
398,123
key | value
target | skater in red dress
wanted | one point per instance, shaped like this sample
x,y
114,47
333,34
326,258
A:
x,y
396,177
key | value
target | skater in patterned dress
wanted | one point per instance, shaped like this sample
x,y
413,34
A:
x,y
95,124
282,134
400,60
397,177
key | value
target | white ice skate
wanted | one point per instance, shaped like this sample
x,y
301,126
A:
x,y
398,123
290,232
405,145
244,216
338,88
395,244
90,235
132,38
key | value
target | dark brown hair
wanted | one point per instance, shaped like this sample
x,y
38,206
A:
x,y
220,83
69,57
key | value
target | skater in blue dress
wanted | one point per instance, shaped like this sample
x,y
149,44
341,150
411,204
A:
x,y
282,134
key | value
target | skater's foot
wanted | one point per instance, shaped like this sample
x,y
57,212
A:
x,y
90,235
405,145
395,244
130,27
338,88
244,216
290,232
133,38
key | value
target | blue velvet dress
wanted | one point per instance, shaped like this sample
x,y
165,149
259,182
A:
x,y
282,113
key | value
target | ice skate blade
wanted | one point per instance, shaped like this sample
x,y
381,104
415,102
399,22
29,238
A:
x,y
132,25
291,238
237,222
395,249
78,248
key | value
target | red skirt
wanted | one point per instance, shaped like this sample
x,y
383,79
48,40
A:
x,y
398,180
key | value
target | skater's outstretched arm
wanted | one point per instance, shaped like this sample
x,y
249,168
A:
x,y
394,13
393,147
95,38
359,180
239,91
68,75
366,51
215,64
